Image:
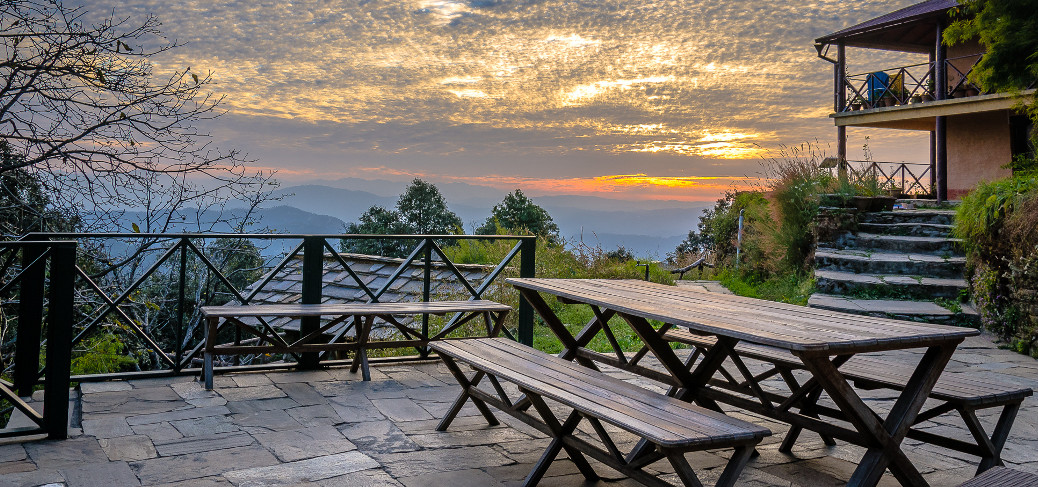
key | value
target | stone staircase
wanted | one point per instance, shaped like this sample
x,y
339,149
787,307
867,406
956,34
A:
x,y
897,264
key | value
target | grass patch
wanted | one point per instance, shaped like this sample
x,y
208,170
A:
x,y
789,288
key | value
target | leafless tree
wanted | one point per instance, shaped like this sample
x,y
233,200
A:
x,y
81,104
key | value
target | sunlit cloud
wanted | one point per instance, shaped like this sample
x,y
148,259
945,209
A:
x,y
582,93
329,86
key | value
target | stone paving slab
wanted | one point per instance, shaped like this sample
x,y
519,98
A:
x,y
328,428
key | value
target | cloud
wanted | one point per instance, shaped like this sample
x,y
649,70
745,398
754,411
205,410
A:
x,y
476,85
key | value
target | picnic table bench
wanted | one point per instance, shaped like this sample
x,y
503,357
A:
x,y
953,392
363,316
823,341
672,426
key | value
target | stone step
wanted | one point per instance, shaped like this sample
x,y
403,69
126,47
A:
x,y
938,217
879,285
884,263
904,244
903,310
908,229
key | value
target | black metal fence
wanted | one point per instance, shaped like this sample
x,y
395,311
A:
x,y
909,84
136,296
898,178
37,283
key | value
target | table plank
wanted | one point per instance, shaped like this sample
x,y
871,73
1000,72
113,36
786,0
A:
x,y
790,327
352,309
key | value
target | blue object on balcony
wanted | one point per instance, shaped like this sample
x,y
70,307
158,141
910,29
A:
x,y
877,85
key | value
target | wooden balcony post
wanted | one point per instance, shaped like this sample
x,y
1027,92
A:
x,y
841,104
940,122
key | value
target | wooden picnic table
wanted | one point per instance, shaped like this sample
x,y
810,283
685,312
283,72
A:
x,y
823,340
363,314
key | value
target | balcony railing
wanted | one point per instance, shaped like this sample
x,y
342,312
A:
x,y
137,296
40,325
909,84
897,178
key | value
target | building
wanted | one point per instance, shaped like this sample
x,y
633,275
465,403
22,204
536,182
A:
x,y
973,135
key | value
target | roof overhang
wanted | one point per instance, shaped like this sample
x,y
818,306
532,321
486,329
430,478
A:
x,y
911,29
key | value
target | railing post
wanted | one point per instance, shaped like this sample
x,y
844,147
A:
x,y
59,340
181,300
313,281
527,268
30,320
426,290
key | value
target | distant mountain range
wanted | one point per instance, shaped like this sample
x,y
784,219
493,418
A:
x,y
649,229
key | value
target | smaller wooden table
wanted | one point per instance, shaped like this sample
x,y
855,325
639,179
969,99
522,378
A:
x,y
363,317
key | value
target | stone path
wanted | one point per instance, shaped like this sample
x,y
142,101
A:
x,y
328,428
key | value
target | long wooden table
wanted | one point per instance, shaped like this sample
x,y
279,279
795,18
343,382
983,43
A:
x,y
823,340
363,314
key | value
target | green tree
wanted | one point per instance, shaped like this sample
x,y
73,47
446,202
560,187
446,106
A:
x,y
378,221
1008,30
516,214
424,210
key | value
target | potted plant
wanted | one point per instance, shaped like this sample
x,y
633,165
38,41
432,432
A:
x,y
916,98
930,94
857,103
887,100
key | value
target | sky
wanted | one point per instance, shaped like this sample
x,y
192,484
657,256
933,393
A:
x,y
627,99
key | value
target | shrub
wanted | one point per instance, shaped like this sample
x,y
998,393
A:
x,y
998,222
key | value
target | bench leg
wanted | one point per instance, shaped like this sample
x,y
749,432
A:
x,y
735,465
466,384
991,446
559,433
682,468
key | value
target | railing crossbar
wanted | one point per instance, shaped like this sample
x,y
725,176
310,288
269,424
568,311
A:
x,y
356,278
17,278
113,307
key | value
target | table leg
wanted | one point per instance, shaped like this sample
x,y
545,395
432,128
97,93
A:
x,y
570,344
883,438
360,358
210,342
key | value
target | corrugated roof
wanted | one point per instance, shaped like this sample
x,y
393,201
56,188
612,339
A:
x,y
912,13
339,287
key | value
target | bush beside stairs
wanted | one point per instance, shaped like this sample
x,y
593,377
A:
x,y
902,264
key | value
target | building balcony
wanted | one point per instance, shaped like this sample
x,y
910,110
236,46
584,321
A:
x,y
907,97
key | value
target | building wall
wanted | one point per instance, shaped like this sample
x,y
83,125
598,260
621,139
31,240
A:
x,y
962,57
978,147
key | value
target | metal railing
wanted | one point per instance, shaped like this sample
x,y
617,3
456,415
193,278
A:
x,y
43,295
909,84
149,295
902,178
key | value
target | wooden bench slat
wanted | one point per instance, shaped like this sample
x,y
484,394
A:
x,y
547,375
630,395
663,427
1003,477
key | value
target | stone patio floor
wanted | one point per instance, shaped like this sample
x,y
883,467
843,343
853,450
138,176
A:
x,y
329,428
